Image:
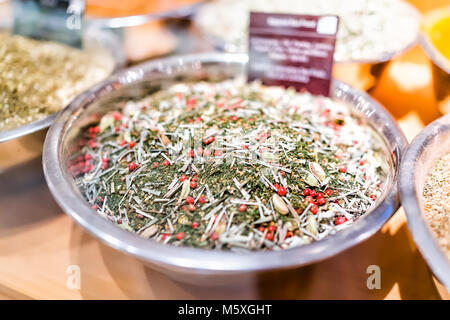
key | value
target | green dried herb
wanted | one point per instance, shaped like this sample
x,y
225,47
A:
x,y
229,166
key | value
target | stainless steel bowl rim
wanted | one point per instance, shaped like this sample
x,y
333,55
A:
x,y
421,233
113,46
182,258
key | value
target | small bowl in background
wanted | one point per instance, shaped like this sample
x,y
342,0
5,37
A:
x,y
428,146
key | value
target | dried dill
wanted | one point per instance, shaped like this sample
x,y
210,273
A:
x,y
231,166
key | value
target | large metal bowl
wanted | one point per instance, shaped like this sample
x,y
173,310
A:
x,y
189,264
429,145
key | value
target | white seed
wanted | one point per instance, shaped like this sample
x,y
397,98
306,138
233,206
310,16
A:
x,y
149,232
312,225
185,189
311,180
279,204
317,171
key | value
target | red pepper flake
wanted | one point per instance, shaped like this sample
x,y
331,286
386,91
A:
x,y
307,192
132,144
209,140
123,142
194,225
191,208
105,165
242,207
341,220
119,221
190,104
132,166
166,163
321,201
313,193
289,234
183,177
319,195
198,119
117,116
192,153
343,169
193,184
207,153
95,207
92,144
314,209
362,162
282,191
202,199
165,236
234,118
190,200
309,199
373,197
155,164
272,228
87,157
218,153
261,229
214,236
180,235
328,192
269,236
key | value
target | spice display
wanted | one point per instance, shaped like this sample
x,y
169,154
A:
x,y
368,30
436,201
38,78
230,165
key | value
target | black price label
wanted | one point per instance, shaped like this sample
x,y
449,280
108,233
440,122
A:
x,y
53,20
292,50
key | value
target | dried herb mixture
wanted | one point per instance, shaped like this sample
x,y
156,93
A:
x,y
230,165
38,78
